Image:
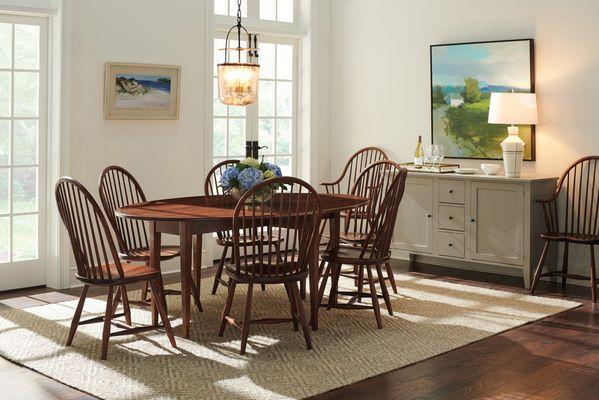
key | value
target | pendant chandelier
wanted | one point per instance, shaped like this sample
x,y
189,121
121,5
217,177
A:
x,y
238,81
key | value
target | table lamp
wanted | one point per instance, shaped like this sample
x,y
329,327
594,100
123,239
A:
x,y
514,109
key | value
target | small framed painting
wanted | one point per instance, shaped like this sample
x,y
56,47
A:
x,y
463,76
141,91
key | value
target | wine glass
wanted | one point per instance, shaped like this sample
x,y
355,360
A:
x,y
428,154
439,153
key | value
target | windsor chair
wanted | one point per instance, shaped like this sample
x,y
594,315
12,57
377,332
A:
x,y
579,223
292,215
212,187
98,264
386,191
119,188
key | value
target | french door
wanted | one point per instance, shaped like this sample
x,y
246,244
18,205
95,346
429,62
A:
x,y
23,94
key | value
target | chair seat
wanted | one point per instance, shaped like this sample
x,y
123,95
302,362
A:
x,y
278,273
571,237
132,274
249,240
351,255
143,254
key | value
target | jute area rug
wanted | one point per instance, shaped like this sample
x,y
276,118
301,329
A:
x,y
430,317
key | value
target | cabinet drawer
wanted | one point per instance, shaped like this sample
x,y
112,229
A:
x,y
450,244
451,217
451,191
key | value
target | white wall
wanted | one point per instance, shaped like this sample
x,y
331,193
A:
x,y
380,73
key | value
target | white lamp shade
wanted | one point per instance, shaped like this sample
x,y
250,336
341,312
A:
x,y
513,108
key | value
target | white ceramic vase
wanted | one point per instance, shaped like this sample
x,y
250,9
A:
x,y
513,153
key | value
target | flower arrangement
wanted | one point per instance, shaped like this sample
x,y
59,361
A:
x,y
244,175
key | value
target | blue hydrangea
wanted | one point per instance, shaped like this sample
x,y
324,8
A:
x,y
227,178
274,168
248,178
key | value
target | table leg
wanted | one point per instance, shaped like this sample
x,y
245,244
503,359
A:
x,y
155,245
334,226
185,248
197,269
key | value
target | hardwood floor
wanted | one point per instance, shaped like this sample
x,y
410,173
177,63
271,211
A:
x,y
556,358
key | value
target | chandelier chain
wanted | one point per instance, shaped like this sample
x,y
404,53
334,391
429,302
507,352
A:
x,y
238,12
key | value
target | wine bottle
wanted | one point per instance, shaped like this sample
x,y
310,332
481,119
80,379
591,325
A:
x,y
418,153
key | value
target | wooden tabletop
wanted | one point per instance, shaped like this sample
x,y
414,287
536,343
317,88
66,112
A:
x,y
218,208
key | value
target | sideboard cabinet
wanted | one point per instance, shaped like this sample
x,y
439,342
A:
x,y
479,222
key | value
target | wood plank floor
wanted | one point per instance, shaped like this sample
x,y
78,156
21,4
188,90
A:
x,y
556,358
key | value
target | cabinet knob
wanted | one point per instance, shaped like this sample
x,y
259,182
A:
x,y
450,217
450,244
450,190
429,216
472,220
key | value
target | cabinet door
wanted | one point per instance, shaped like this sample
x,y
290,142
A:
x,y
414,225
497,222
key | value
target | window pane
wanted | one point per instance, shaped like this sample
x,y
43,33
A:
x,y
267,60
4,94
4,142
26,94
285,10
284,92
24,237
233,8
25,142
219,55
285,164
268,9
284,61
219,146
266,99
5,45
221,7
4,239
24,189
266,135
236,137
219,109
284,136
27,46
4,208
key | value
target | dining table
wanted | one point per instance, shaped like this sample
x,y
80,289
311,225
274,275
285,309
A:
x,y
189,217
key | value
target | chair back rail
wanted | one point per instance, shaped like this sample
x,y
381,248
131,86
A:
x,y
373,183
119,188
354,166
212,187
579,188
378,241
291,215
88,231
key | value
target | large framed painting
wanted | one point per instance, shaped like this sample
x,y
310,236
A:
x,y
141,91
463,76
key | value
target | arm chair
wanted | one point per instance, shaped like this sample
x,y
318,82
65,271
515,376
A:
x,y
98,264
374,250
119,188
212,187
578,223
291,215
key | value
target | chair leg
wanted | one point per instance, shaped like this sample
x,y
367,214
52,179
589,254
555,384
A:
x,y
321,267
126,306
335,273
539,269
323,285
303,319
360,281
227,309
263,287
565,267
383,285
293,306
247,315
593,275
163,315
107,319
303,289
144,290
77,316
374,297
196,296
391,277
219,270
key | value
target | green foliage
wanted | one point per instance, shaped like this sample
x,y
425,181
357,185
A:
x,y
471,92
438,95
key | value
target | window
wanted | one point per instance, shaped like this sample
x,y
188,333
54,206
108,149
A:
x,y
22,149
269,10
229,7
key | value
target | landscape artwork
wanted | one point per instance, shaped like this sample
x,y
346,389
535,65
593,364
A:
x,y
463,76
141,91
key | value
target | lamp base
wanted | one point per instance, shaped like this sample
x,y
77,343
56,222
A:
x,y
513,153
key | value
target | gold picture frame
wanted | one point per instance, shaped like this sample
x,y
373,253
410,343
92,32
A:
x,y
141,91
